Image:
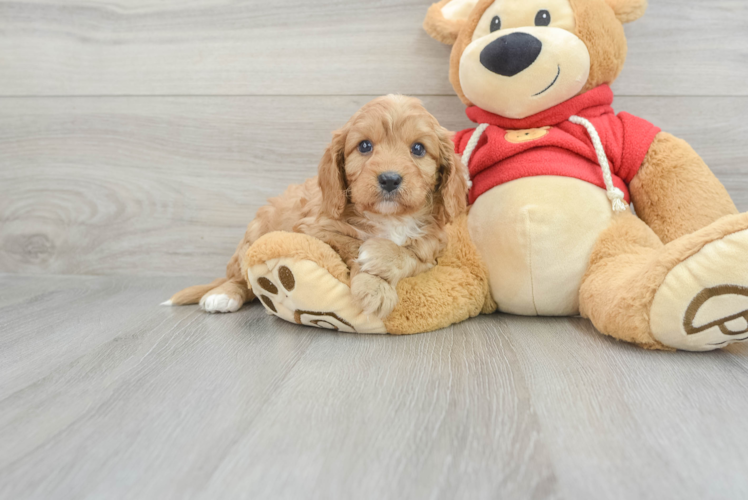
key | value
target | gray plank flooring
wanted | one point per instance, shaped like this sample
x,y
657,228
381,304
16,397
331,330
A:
x,y
137,139
103,394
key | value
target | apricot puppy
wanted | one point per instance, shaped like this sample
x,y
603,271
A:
x,y
387,185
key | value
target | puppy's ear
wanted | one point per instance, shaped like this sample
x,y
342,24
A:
x,y
628,10
445,19
331,176
451,194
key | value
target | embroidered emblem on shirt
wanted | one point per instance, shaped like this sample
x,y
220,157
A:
x,y
531,134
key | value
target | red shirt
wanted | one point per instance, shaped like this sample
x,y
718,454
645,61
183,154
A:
x,y
547,143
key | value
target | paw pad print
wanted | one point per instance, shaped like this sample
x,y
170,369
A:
x,y
300,291
702,304
288,282
326,320
724,307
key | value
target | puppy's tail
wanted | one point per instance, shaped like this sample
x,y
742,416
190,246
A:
x,y
193,294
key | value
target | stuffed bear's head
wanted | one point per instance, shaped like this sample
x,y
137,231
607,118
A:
x,y
516,58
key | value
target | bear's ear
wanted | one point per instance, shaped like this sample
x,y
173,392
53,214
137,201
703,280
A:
x,y
445,19
628,10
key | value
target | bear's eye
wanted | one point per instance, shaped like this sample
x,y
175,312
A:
x,y
543,18
418,150
495,24
365,147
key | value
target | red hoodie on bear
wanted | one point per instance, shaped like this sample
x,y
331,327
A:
x,y
547,143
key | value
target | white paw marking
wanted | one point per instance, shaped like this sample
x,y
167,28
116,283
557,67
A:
x,y
219,303
167,303
364,259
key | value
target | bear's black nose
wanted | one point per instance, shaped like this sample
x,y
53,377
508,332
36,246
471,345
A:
x,y
511,54
390,181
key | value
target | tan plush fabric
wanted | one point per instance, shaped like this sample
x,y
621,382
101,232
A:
x,y
675,192
299,246
463,40
622,279
679,243
596,25
703,303
628,10
439,28
301,291
561,49
603,34
455,290
627,268
536,239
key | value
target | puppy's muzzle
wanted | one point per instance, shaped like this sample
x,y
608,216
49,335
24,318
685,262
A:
x,y
511,54
390,181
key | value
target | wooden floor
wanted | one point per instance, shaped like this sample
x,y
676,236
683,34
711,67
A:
x,y
105,395
138,138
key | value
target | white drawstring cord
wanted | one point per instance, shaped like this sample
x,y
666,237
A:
x,y
471,145
615,195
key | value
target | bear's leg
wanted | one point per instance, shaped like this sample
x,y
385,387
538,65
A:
x,y
303,280
616,291
689,294
674,191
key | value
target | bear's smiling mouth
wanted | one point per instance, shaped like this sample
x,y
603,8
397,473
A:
x,y
552,83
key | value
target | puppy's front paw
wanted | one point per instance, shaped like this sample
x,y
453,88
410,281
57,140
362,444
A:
x,y
379,257
374,295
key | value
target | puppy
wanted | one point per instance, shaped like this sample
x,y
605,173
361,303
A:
x,y
386,187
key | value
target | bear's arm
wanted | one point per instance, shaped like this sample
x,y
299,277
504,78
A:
x,y
674,191
345,246
453,291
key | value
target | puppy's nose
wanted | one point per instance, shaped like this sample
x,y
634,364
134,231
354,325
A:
x,y
390,181
511,54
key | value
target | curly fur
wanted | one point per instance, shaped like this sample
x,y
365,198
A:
x,y
386,237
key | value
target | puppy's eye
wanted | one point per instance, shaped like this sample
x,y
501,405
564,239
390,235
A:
x,y
418,150
365,147
543,18
495,24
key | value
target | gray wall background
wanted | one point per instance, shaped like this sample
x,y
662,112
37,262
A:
x,y
139,138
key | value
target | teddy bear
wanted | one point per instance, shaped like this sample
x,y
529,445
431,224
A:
x,y
554,171
551,230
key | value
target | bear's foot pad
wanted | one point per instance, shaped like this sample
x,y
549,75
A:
x,y
703,303
302,292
